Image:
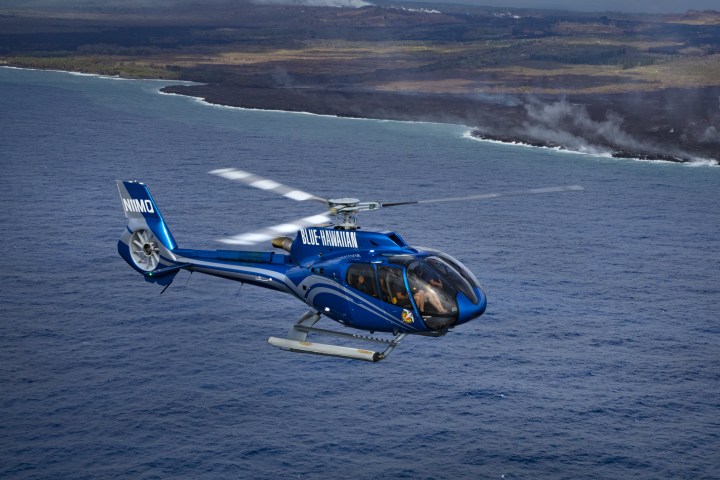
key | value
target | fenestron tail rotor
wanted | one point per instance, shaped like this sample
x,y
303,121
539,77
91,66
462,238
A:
x,y
342,212
144,250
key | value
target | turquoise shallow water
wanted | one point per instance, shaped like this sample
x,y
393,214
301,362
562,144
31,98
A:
x,y
598,355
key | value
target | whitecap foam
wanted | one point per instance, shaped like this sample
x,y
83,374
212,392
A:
x,y
208,103
695,162
104,77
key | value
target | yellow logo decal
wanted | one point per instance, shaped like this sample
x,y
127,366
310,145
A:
x,y
407,316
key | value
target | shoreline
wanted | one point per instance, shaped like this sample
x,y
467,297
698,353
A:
x,y
103,76
621,155
698,162
475,135
403,107
500,118
612,84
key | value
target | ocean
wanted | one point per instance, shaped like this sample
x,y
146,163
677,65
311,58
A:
x,y
598,356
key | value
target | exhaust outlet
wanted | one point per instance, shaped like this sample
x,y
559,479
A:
x,y
284,243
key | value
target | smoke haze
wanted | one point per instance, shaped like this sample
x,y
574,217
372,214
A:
x,y
568,124
634,6
316,3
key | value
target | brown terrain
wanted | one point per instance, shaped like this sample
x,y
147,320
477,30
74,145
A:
x,y
627,85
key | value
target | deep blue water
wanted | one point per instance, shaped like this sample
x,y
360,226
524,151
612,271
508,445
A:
x,y
598,357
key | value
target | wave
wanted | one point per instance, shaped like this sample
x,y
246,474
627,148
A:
x,y
208,103
105,77
703,162
468,135
692,162
69,72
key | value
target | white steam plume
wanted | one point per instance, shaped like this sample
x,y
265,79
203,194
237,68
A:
x,y
570,125
316,3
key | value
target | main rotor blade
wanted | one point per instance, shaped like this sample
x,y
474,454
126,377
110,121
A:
x,y
266,184
487,196
267,234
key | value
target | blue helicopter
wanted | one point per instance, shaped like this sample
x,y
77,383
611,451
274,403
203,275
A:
x,y
370,281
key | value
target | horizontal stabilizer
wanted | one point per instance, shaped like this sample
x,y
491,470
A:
x,y
161,272
325,349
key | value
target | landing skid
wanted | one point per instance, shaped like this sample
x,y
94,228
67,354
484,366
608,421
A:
x,y
297,341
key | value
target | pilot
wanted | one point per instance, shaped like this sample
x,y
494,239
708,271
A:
x,y
425,292
423,296
436,282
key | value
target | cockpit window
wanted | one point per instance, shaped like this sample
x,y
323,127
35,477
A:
x,y
467,274
448,270
361,276
431,291
463,270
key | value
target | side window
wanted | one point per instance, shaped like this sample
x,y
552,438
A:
x,y
361,277
392,287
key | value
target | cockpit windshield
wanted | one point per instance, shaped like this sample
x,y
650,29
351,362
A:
x,y
433,293
457,279
433,282
459,267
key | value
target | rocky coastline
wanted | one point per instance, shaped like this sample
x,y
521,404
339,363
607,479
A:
x,y
608,83
642,127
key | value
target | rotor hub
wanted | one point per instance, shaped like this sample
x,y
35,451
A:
x,y
343,202
144,250
345,211
149,249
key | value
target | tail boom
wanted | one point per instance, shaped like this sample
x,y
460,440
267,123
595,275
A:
x,y
148,246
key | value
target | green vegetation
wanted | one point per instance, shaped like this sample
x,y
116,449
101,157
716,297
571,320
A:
x,y
475,50
95,64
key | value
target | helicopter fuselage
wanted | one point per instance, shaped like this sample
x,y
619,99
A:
x,y
365,280
371,281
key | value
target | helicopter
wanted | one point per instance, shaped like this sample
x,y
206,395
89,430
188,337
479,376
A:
x,y
367,281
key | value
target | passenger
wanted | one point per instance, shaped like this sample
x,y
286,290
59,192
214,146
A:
x,y
364,286
401,298
399,294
